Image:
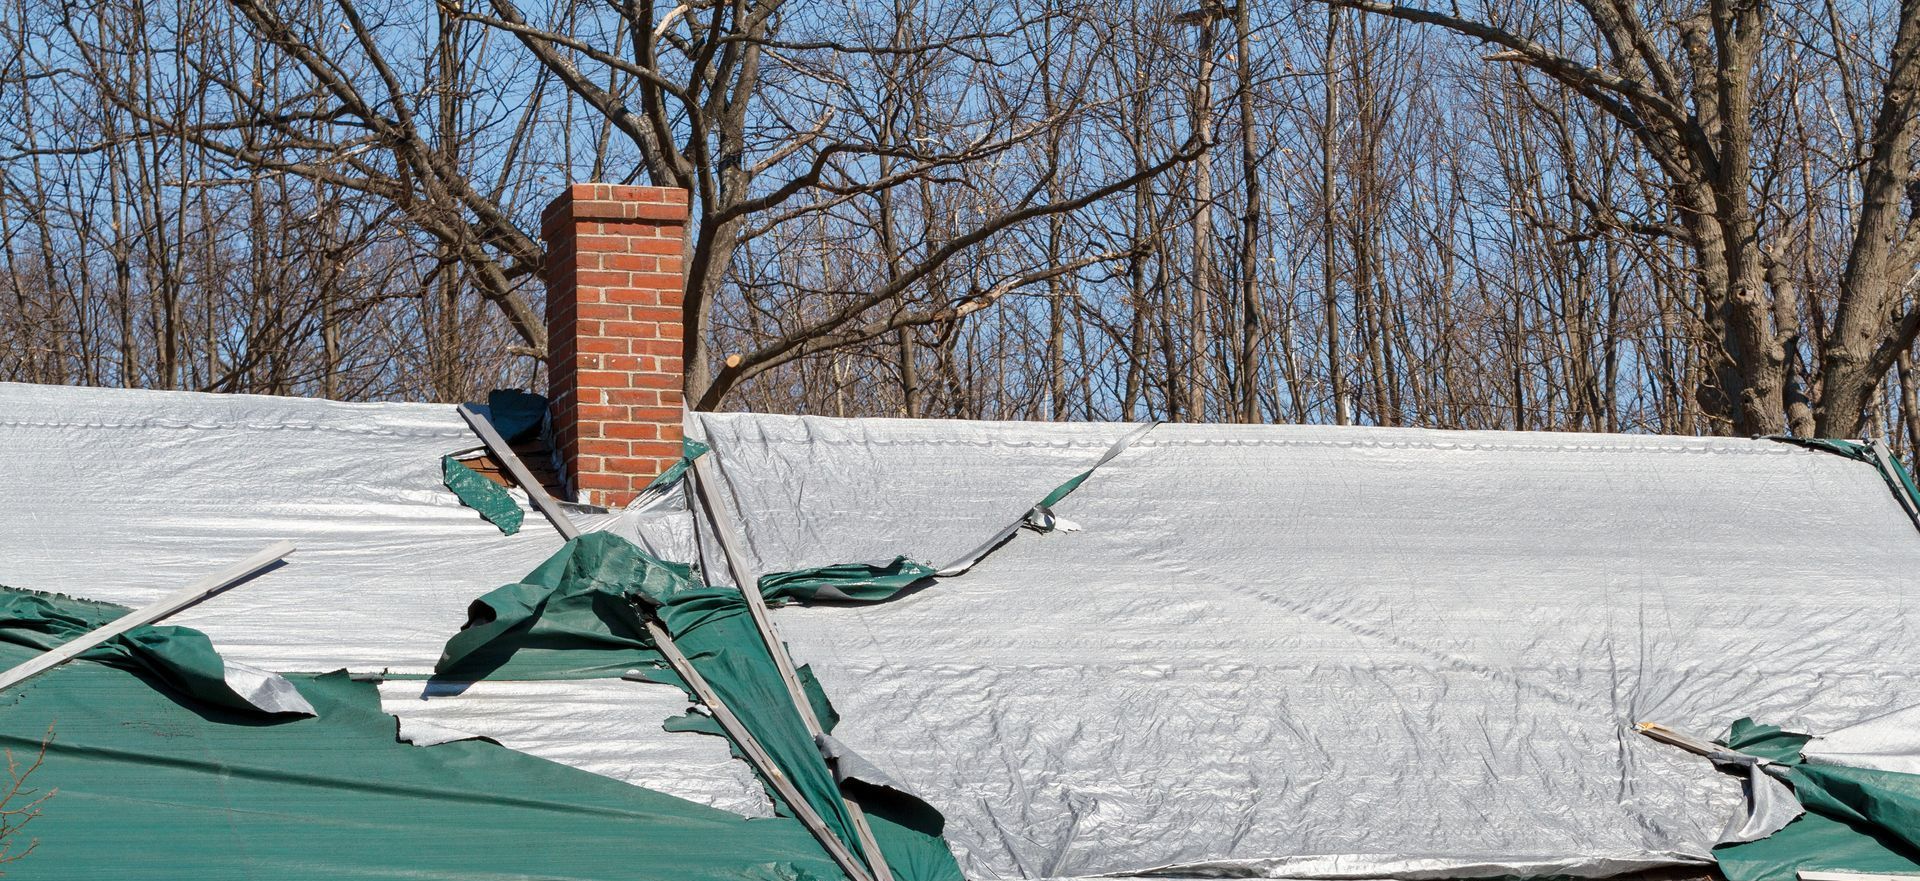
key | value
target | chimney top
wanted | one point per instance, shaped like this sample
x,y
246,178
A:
x,y
615,340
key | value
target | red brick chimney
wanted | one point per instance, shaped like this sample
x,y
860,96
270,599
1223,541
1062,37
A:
x,y
614,335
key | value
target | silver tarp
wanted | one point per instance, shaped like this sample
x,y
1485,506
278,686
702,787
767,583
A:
x,y
123,496
1327,652
1267,651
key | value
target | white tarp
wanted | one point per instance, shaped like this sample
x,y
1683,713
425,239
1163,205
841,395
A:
x,y
1330,652
1889,742
124,496
1270,651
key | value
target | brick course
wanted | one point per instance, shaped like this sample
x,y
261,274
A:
x,y
614,292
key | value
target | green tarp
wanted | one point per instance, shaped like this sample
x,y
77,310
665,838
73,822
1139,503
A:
x,y
156,787
154,775
517,416
854,582
579,615
1857,820
145,757
180,658
495,504
571,618
689,451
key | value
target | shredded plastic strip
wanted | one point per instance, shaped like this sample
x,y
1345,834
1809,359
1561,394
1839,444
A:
x,y
689,451
846,582
1041,515
877,582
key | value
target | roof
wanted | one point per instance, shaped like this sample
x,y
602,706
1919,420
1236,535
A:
x,y
1266,650
125,495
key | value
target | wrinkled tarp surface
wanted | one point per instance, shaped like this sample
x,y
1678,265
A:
x,y
1271,650
1309,650
155,784
180,657
1855,820
582,609
127,495
495,504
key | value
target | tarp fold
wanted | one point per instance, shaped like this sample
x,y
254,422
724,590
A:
x,y
182,659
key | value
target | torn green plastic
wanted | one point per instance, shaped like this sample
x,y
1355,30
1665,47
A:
x,y
495,504
179,659
849,582
178,790
689,451
1857,819
579,614
517,415
572,617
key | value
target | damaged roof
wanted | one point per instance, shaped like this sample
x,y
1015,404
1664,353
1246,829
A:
x,y
1256,651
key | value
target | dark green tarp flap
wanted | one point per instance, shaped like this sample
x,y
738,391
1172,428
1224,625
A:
x,y
1770,742
179,659
162,789
1857,819
495,504
570,618
516,414
578,614
689,450
847,582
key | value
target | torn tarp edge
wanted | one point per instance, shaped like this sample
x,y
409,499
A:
x,y
585,600
175,658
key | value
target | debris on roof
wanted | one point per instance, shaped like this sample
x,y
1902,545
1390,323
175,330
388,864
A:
x,y
179,660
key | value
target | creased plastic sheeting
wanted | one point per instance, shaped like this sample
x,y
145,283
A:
x,y
150,787
1888,743
1875,454
608,727
1295,651
1856,819
581,609
178,657
872,490
125,495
